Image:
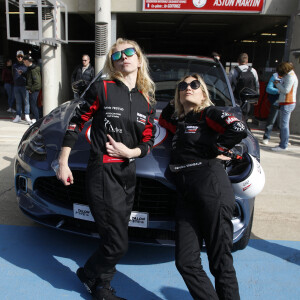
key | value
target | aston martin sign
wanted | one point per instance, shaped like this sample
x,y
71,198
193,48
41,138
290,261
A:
x,y
254,6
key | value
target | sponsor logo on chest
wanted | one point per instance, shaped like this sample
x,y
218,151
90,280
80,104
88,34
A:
x,y
191,129
140,118
109,127
113,111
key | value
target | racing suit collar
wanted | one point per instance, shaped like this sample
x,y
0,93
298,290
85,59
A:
x,y
119,82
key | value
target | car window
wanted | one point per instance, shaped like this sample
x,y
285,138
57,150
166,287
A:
x,y
167,71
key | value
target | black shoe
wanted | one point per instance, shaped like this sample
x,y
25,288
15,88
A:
x,y
89,283
105,293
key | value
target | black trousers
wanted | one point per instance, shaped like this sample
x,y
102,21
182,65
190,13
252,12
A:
x,y
204,210
110,189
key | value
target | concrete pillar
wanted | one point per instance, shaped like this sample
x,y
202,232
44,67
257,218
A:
x,y
113,28
51,60
295,59
102,32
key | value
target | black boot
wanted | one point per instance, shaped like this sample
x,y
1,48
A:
x,y
89,283
105,292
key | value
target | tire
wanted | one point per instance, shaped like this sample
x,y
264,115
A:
x,y
243,242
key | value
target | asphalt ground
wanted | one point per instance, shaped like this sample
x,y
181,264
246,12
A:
x,y
40,263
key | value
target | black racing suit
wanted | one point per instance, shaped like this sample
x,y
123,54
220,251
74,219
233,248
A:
x,y
206,200
128,118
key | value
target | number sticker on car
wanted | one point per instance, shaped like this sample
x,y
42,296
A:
x,y
137,219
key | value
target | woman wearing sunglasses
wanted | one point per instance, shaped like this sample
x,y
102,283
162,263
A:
x,y
203,136
122,129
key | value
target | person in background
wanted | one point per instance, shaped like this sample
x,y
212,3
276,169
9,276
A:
x,y
21,95
273,96
33,85
7,78
122,108
203,136
243,76
287,101
84,71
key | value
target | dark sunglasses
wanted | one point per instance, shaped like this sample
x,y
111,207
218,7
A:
x,y
128,52
195,84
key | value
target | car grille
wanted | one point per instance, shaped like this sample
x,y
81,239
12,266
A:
x,y
150,195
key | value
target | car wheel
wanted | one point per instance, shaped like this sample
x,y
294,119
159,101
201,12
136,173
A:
x,y
243,242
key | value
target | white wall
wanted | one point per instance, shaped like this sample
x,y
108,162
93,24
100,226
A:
x,y
295,59
280,7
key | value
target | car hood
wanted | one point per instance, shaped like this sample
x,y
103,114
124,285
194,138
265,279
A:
x,y
155,165
53,127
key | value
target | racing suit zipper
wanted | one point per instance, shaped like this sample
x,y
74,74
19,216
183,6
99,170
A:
x,y
130,102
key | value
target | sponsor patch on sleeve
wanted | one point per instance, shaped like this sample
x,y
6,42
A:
x,y
141,118
231,119
72,127
238,126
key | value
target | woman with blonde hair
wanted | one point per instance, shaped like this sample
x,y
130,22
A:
x,y
179,107
143,82
122,108
203,135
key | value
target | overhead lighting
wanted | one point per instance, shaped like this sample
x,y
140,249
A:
x,y
157,23
30,2
269,34
208,24
248,41
276,42
17,13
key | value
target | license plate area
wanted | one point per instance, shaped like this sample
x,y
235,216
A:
x,y
137,219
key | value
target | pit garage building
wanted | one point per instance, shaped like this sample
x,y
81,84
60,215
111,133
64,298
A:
x,y
268,30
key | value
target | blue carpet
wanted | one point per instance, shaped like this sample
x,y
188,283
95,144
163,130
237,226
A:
x,y
40,263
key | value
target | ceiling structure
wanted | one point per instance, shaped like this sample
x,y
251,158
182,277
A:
x,y
201,34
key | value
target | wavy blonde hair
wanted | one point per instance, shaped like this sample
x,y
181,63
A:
x,y
144,83
179,110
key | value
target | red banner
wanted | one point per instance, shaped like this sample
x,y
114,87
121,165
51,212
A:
x,y
204,5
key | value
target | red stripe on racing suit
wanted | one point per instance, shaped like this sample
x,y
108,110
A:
x,y
125,115
198,135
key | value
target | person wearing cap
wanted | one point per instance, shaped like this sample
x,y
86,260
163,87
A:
x,y
33,84
84,71
19,76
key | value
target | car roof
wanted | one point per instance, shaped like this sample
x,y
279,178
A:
x,y
179,56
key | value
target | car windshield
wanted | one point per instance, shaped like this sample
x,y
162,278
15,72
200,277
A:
x,y
167,71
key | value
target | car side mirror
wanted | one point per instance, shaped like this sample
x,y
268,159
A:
x,y
79,86
249,95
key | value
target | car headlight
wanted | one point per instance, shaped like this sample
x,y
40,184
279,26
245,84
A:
x,y
32,145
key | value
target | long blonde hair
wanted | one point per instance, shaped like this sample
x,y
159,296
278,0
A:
x,y
179,110
144,83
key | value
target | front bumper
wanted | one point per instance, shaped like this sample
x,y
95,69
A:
x,y
45,200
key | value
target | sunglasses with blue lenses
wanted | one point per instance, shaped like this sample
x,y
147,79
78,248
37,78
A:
x,y
195,84
118,55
